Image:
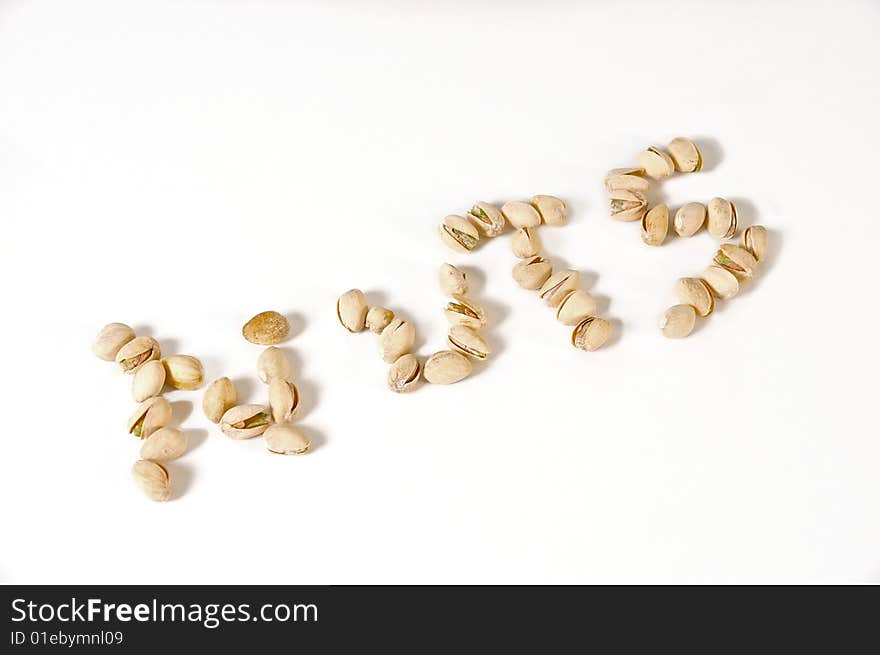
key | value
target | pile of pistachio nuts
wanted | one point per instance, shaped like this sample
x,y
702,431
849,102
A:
x,y
141,358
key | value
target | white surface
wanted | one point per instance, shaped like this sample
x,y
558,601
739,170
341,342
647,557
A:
x,y
181,166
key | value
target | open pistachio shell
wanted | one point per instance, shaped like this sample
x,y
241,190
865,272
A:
x,y
219,396
678,321
685,155
396,339
721,282
615,172
110,339
488,218
183,372
754,239
525,243
136,353
285,439
694,292
378,319
153,479
721,218
164,445
283,400
149,416
558,285
655,225
551,209
461,311
591,333
453,282
737,260
521,214
627,205
447,367
657,163
689,219
459,234
404,374
148,381
351,309
466,340
532,273
575,306
627,182
245,421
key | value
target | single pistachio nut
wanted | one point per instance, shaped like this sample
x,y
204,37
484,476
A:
x,y
285,439
183,372
136,353
685,155
447,367
273,363
283,400
678,321
488,218
110,339
627,182
657,163
721,282
219,397
148,381
575,306
558,285
461,311
467,341
689,219
628,205
614,172
378,319
164,445
396,339
525,243
655,225
151,415
722,218
453,282
551,209
737,260
695,292
532,273
351,308
521,214
245,421
591,333
153,479
266,329
754,239
459,234
404,373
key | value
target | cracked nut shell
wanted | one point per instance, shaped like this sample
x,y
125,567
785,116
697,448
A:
x,y
627,205
149,416
521,214
447,367
461,311
685,155
754,239
164,445
148,381
655,225
153,479
558,285
532,273
488,218
689,219
525,243
551,209
351,309
396,339
219,396
245,421
591,333
273,363
468,342
453,282
696,293
721,282
459,234
575,306
110,339
721,215
136,353
678,321
404,373
657,163
285,439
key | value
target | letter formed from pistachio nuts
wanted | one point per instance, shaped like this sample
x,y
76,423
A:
x,y
721,218
273,363
283,400
459,234
164,445
404,373
558,285
183,372
678,321
738,261
685,155
151,415
153,479
453,282
148,381
397,339
532,273
655,225
754,239
378,319
266,329
461,311
285,439
466,340
525,243
551,209
110,339
219,396
488,218
245,421
627,205
136,353
590,334
657,164
520,214
351,308
689,219
575,306
721,282
695,292
447,367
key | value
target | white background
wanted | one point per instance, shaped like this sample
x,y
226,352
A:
x,y
180,166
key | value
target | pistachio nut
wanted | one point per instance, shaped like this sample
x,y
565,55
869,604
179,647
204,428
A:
x,y
245,421
488,218
183,372
266,329
110,339
657,163
404,373
453,282
521,214
628,205
285,439
148,381
351,308
447,367
551,209
149,416
558,285
397,339
466,340
689,219
459,234
575,306
678,321
591,333
273,363
532,273
721,282
525,243
219,396
685,155
627,182
283,400
655,225
378,319
136,353
614,172
737,260
722,218
754,239
164,445
153,479
461,311
695,292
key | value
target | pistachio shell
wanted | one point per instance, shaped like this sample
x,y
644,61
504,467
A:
x,y
488,218
575,306
452,280
283,399
657,163
110,339
678,321
404,373
378,319
351,309
285,439
521,214
558,285
721,282
627,182
737,260
722,218
655,225
148,381
273,363
614,172
136,353
551,209
591,333
396,339
219,396
627,205
153,479
447,367
461,311
459,234
466,340
149,416
183,372
525,243
685,155
164,445
689,219
266,329
532,273
245,421
754,239
695,292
